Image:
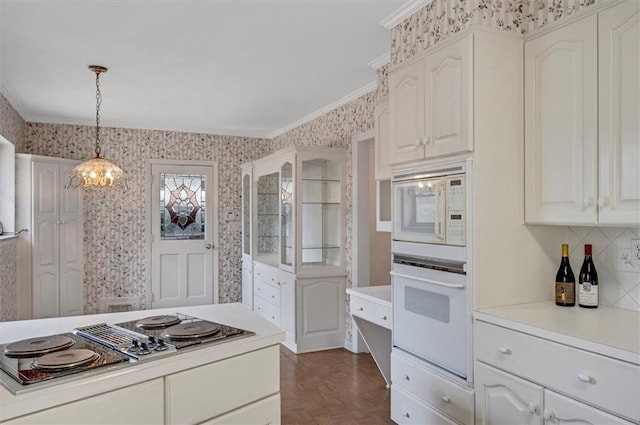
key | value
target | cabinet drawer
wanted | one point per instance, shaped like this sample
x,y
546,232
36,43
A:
x,y
370,311
604,382
268,292
193,396
406,409
265,274
267,310
563,410
263,412
441,393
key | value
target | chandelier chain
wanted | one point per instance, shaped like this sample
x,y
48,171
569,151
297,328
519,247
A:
x,y
98,102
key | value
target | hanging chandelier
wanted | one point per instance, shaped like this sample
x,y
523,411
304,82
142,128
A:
x,y
97,171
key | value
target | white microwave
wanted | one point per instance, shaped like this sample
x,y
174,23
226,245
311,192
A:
x,y
430,206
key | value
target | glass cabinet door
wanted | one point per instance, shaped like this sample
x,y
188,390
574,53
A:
x,y
286,196
321,214
267,215
246,215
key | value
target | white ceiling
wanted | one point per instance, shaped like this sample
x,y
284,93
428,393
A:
x,y
244,68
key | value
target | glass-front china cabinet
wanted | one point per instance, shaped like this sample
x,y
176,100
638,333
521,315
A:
x,y
293,241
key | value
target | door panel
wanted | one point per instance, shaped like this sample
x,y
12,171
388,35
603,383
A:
x,y
561,125
619,108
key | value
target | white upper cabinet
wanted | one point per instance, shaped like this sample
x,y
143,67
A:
x,y
406,114
430,105
582,137
619,114
382,169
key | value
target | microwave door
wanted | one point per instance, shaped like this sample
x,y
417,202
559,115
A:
x,y
415,211
440,211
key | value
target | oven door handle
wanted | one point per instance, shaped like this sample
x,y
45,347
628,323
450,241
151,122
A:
x,y
431,281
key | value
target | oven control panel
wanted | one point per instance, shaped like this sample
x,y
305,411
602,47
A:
x,y
456,194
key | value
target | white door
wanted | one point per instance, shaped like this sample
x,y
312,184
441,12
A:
x,y
182,234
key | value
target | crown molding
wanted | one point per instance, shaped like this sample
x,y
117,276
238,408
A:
x,y
13,102
343,101
403,13
380,61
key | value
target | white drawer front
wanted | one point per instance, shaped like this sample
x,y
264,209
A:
x,y
268,292
372,312
263,412
267,310
562,410
604,382
444,395
406,409
192,396
265,274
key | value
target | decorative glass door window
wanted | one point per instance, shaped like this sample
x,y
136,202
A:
x,y
182,206
286,237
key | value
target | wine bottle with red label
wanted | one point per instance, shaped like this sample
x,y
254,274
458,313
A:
x,y
588,281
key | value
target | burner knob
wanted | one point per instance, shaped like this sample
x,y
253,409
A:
x,y
152,340
161,342
144,346
160,346
135,346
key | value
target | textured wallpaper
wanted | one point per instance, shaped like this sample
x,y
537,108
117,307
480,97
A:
x,y
441,19
8,287
11,124
116,226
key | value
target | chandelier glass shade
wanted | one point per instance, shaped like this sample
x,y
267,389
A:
x,y
97,171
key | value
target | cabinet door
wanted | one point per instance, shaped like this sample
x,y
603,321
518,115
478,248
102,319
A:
x,y
247,283
505,399
406,114
448,110
287,284
46,249
71,233
561,125
619,114
559,410
381,119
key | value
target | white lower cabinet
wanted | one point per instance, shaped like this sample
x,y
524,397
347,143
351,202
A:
x,y
421,396
247,283
138,404
191,397
309,309
517,376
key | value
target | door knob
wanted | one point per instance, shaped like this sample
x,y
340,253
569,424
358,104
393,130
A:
x,y
208,246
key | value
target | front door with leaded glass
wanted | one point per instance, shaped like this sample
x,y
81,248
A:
x,y
182,235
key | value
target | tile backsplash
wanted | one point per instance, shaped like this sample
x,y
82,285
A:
x,y
618,271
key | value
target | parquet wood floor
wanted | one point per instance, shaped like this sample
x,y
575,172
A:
x,y
332,387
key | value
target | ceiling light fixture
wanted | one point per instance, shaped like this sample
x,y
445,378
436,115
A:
x,y
97,171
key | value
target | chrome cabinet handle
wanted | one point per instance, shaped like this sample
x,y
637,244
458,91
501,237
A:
x,y
407,415
603,202
406,377
446,399
361,309
383,317
587,202
533,408
208,246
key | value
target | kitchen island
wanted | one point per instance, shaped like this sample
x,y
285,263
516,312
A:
x,y
232,382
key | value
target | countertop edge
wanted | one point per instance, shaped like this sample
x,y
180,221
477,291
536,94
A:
x,y
357,292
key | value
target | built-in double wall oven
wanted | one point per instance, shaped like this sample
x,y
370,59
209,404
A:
x,y
431,276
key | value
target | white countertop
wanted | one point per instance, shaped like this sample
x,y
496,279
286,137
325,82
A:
x,y
612,332
74,387
377,294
